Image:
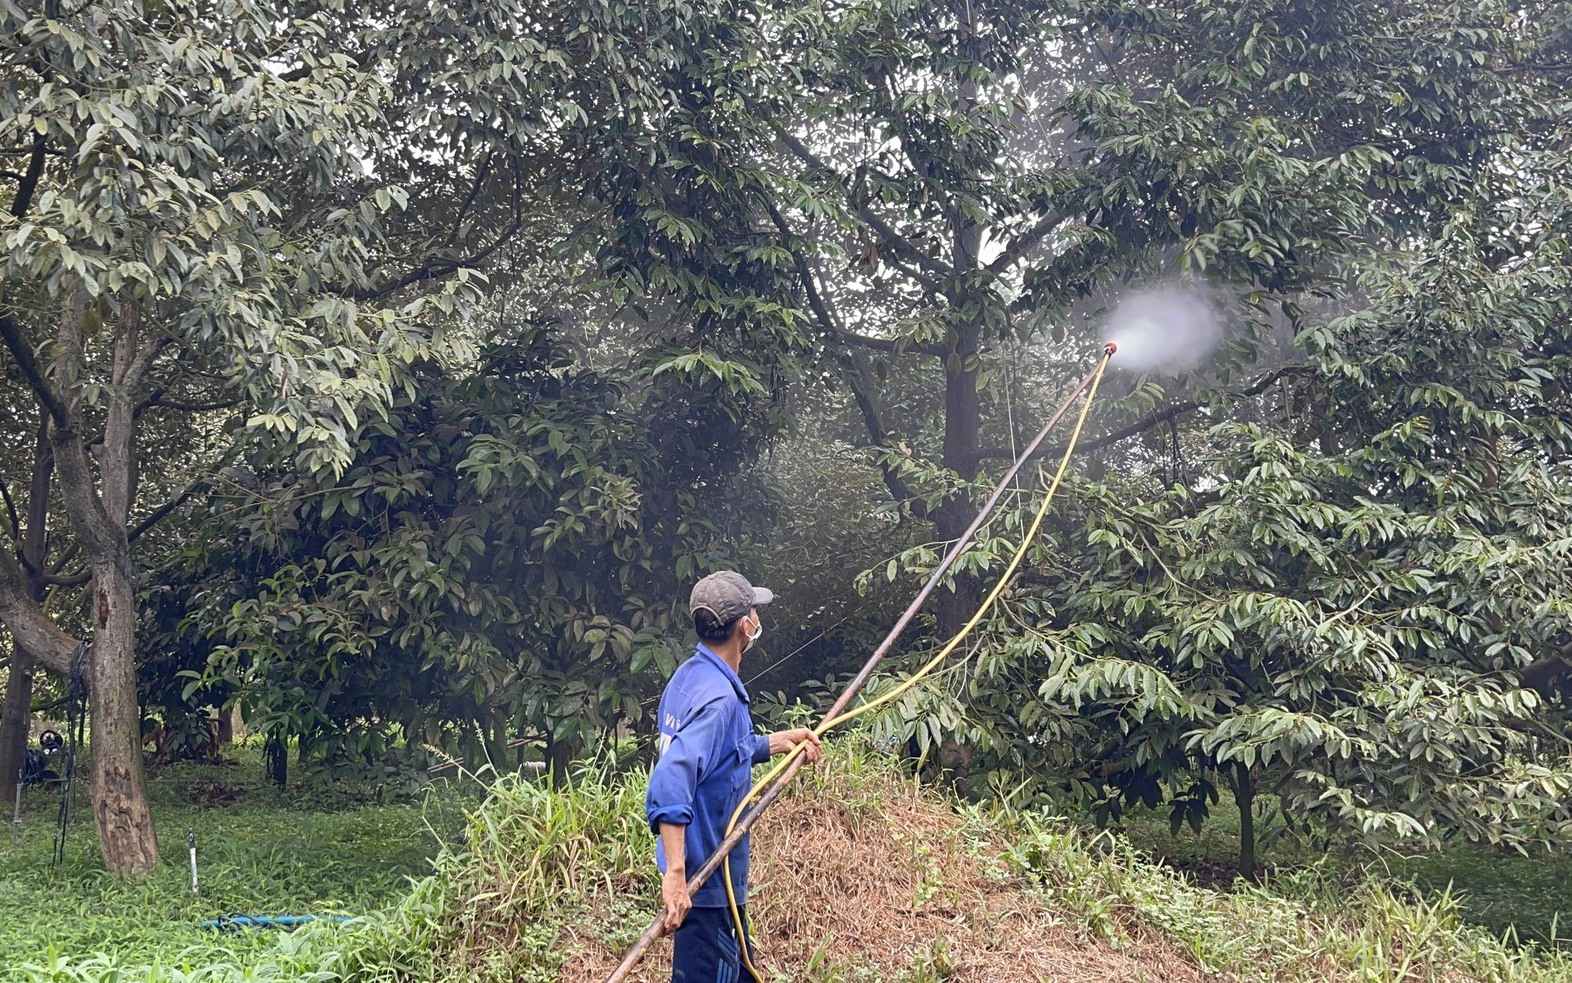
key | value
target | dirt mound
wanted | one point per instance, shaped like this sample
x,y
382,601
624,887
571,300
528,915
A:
x,y
879,879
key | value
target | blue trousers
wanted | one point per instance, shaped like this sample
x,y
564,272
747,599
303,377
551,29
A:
x,y
705,950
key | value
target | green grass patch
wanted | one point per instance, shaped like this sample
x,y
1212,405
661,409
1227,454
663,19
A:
x,y
515,876
1314,924
1508,894
260,851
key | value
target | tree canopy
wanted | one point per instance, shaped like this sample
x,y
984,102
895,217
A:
x,y
392,373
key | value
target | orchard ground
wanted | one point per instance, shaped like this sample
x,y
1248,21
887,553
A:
x,y
861,874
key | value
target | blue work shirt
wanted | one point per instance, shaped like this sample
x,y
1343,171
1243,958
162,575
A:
x,y
707,752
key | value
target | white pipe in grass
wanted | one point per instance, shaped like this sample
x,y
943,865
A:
x,y
191,845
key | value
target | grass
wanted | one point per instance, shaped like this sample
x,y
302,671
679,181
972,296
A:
x,y
1525,897
525,877
260,851
1509,895
541,859
529,867
1310,926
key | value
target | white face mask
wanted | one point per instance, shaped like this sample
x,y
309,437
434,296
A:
x,y
754,635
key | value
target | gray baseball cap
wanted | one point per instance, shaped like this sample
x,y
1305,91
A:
x,y
728,596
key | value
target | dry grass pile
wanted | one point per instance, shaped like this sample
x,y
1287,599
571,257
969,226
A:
x,y
861,877
867,878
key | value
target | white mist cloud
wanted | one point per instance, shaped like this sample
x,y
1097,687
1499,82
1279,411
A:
x,y
1163,329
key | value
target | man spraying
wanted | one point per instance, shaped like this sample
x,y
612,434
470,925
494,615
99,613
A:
x,y
707,753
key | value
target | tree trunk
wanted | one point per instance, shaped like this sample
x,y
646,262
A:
x,y
559,757
497,745
18,709
962,403
962,411
1244,798
275,760
126,836
99,508
14,718
962,426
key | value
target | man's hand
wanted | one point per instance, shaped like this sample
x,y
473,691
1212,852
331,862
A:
x,y
784,740
674,891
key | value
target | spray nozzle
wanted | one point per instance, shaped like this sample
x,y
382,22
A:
x,y
1109,348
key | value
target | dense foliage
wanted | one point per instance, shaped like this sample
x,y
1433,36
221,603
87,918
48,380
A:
x,y
183,226
1331,588
400,369
498,559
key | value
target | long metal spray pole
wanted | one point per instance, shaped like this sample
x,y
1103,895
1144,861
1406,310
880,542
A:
x,y
748,818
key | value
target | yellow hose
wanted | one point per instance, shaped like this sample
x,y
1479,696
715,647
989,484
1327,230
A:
x,y
932,664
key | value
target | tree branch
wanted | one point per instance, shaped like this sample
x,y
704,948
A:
x,y
435,268
68,580
28,363
35,541
1112,69
142,364
156,516
10,508
31,628
926,282
101,535
157,400
892,346
1161,416
1025,241
156,396
117,460
29,183
854,369
469,199
938,273
39,708
66,556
